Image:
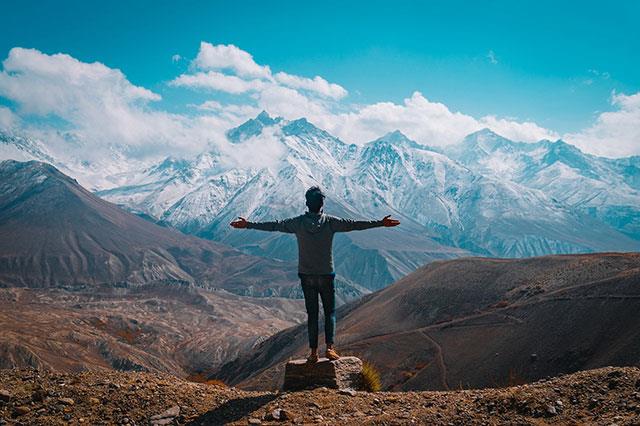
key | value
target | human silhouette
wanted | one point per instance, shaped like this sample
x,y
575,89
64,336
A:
x,y
314,231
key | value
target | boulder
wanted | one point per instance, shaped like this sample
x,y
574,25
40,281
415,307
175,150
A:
x,y
343,373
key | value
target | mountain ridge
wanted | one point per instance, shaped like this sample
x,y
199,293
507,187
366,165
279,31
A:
x,y
509,199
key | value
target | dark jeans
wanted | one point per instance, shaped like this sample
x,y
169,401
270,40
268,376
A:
x,y
323,285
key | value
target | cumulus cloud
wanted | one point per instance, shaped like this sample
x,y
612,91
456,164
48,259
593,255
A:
x,y
7,118
229,57
214,80
229,69
60,84
615,133
99,108
425,121
317,84
267,150
290,103
526,131
232,112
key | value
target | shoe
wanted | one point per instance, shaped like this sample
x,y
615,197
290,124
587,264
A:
x,y
332,354
312,359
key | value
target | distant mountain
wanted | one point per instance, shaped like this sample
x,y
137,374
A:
x,y
252,127
448,207
603,188
56,233
487,196
478,322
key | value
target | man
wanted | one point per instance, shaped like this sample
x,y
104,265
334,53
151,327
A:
x,y
314,231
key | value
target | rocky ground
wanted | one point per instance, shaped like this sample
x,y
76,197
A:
x,y
604,396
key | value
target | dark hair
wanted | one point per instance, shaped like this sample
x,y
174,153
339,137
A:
x,y
315,199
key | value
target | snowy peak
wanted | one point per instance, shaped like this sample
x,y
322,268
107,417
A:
x,y
570,155
266,119
27,176
252,127
397,139
171,166
302,127
486,141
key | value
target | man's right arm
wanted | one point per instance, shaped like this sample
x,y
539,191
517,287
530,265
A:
x,y
287,225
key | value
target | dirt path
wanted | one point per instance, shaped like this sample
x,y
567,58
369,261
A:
x,y
439,359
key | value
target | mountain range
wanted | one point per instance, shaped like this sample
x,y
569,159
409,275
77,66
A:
x,y
56,233
485,196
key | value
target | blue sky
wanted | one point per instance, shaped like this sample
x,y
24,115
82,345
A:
x,y
556,64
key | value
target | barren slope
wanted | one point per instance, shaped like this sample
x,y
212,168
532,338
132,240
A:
x,y
53,232
162,327
480,322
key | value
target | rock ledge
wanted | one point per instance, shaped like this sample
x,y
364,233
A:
x,y
340,374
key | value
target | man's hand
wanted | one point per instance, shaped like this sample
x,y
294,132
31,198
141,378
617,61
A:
x,y
388,222
240,223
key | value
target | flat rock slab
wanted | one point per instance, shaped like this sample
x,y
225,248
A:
x,y
343,373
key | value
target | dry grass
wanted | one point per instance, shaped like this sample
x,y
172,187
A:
x,y
370,378
202,378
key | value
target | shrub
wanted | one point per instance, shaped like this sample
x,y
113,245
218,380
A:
x,y
370,378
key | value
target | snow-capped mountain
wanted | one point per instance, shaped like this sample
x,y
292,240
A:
x,y
603,188
487,195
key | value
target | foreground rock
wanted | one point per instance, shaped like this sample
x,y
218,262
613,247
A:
x,y
604,396
345,373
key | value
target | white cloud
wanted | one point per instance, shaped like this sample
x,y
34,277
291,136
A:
x,y
615,133
265,150
232,112
176,58
7,118
289,103
229,57
317,84
526,131
208,106
293,96
427,122
214,80
424,121
59,84
229,69
99,108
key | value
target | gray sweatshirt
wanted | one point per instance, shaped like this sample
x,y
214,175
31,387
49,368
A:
x,y
314,232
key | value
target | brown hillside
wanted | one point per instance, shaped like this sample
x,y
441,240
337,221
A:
x,y
53,232
162,327
475,323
